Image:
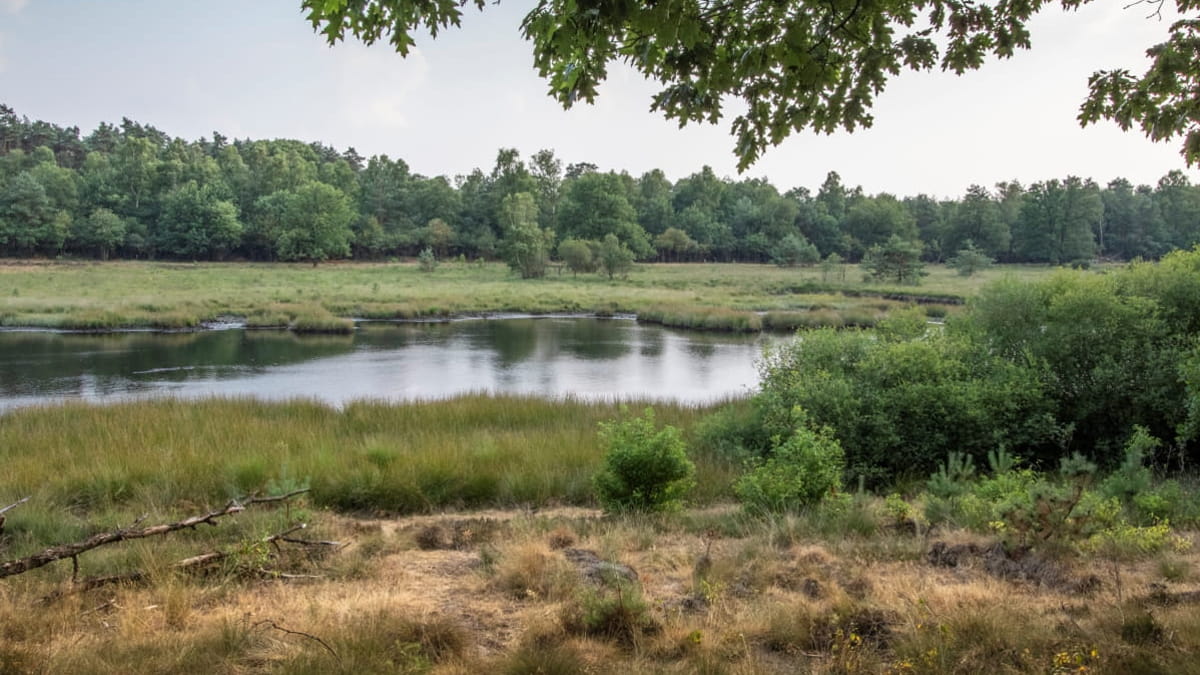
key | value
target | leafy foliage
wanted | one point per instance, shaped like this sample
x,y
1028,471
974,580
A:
x,y
795,250
645,468
796,66
901,402
525,247
577,255
897,260
614,256
969,260
426,260
800,471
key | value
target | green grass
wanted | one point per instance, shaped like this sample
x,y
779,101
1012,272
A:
x,y
474,451
100,296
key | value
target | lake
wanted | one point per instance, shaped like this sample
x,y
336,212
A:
x,y
546,356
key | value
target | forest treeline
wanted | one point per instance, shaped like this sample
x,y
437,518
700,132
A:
x,y
132,191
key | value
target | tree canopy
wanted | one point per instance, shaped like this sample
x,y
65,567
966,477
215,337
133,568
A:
x,y
796,65
134,192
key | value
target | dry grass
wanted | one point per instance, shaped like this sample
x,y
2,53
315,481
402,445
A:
x,y
509,602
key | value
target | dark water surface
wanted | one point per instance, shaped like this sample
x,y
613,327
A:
x,y
588,358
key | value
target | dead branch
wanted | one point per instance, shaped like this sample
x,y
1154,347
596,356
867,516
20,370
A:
x,y
22,565
267,623
13,505
92,583
8,508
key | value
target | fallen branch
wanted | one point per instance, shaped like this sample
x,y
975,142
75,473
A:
x,y
8,508
92,583
13,505
22,565
267,623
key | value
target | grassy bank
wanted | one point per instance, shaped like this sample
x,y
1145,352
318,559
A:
x,y
856,584
98,296
469,452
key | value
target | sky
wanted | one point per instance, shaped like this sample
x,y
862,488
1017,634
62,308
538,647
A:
x,y
256,69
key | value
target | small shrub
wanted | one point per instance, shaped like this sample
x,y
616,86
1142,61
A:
x,y
620,614
801,471
952,477
426,260
1125,541
645,468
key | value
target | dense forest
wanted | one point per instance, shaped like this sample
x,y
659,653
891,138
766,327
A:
x,y
132,191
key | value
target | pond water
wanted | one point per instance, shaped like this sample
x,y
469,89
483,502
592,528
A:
x,y
552,357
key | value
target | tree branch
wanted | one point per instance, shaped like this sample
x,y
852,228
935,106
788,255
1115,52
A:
x,y
22,565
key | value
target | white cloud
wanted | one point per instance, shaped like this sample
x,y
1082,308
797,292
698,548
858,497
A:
x,y
13,6
3,61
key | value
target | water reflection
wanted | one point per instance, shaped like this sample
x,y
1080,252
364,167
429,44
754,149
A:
x,y
591,358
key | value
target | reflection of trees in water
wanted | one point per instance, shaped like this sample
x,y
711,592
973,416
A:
x,y
652,341
32,363
593,339
513,340
552,355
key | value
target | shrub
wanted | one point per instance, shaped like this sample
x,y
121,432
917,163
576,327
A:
x,y
427,261
801,470
969,260
645,468
577,255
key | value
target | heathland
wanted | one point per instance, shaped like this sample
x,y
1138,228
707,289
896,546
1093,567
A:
x,y
113,295
1010,491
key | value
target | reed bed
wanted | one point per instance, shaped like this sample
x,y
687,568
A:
x,y
469,452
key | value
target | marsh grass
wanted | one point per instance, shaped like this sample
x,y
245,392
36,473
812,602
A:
x,y
106,296
470,452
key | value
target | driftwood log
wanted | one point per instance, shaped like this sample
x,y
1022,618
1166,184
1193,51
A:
x,y
62,551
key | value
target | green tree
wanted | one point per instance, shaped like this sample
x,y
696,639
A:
x,y
28,219
976,218
439,235
196,224
614,256
871,221
525,247
595,205
795,65
832,266
897,260
577,255
1057,222
674,244
102,231
969,260
795,250
315,224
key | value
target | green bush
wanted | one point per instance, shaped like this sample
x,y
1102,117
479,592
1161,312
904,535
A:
x,y
801,471
645,468
426,260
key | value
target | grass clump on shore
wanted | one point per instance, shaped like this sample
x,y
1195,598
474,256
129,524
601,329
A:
x,y
703,318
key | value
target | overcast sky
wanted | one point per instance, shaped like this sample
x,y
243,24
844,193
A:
x,y
256,69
